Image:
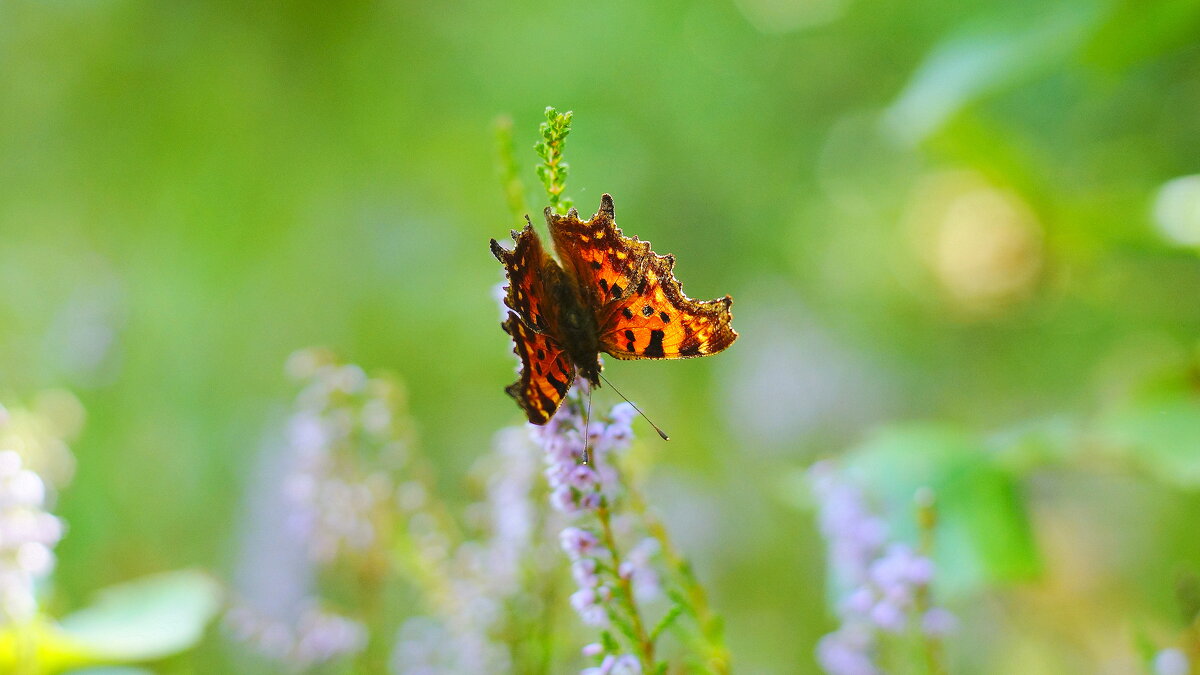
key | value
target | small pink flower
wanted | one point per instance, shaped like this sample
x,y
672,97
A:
x,y
888,616
584,571
578,542
939,622
586,602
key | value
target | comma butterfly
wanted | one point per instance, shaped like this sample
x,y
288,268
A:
x,y
611,294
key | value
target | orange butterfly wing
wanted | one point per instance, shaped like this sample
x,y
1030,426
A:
x,y
546,369
640,309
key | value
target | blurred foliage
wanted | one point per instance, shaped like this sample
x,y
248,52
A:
x,y
142,620
928,210
983,537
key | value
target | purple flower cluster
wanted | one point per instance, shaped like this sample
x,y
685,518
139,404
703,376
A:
x,y
624,664
585,551
479,579
575,487
312,637
346,442
880,583
326,503
578,490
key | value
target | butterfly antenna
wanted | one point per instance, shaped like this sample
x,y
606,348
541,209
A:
x,y
587,428
661,433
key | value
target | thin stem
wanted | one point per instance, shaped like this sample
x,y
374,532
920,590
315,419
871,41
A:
x,y
927,521
510,178
644,645
587,428
717,657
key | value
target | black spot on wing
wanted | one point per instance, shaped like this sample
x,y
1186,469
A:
x,y
647,310
690,349
666,318
629,336
616,290
596,264
655,348
559,385
546,406
626,313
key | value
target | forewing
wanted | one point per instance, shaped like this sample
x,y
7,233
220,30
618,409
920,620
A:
x,y
526,293
546,371
640,309
657,321
605,264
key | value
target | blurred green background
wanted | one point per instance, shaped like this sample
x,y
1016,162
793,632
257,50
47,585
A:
x,y
975,214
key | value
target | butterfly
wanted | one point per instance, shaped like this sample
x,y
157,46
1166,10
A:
x,y
610,294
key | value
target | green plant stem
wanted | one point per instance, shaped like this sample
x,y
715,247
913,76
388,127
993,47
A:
x,y
927,521
645,646
554,167
510,175
553,170
372,576
717,656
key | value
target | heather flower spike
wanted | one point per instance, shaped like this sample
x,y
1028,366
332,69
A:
x,y
884,585
615,582
340,482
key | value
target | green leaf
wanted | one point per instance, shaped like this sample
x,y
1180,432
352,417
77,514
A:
x,y
976,61
1160,433
1136,31
142,620
667,619
610,642
982,535
145,619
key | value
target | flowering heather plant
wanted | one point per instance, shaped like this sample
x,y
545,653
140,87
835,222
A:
x,y
312,637
883,586
485,597
344,469
349,441
621,559
616,582
362,523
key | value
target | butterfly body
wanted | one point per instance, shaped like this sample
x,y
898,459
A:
x,y
611,294
576,325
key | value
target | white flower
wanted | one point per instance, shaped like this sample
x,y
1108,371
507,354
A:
x,y
27,535
1171,661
